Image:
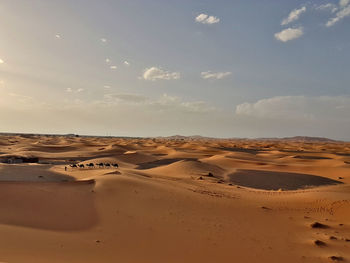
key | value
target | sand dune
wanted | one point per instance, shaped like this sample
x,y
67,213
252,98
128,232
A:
x,y
258,203
48,205
31,173
183,168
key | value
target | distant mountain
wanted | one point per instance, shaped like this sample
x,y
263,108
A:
x,y
192,137
187,138
295,138
301,139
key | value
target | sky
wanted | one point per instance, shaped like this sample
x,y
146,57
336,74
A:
x,y
249,68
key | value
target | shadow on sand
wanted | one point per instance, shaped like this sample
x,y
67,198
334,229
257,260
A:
x,y
270,180
149,165
33,196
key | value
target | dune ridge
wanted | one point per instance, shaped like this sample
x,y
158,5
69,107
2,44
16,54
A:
x,y
175,199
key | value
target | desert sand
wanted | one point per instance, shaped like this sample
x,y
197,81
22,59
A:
x,y
173,200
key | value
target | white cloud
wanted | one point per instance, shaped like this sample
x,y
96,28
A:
x,y
289,34
298,108
339,16
70,90
206,19
344,3
20,98
139,115
113,67
197,106
126,63
163,103
214,75
166,102
323,116
107,86
1,61
162,115
283,106
328,6
127,97
107,60
293,15
201,17
57,36
16,101
154,73
104,40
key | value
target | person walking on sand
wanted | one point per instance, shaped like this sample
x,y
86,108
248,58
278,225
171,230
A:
x,y
65,168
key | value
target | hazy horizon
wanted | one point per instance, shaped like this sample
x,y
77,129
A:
x,y
244,69
165,136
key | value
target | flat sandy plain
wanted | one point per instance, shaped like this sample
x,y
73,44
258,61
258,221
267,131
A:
x,y
162,205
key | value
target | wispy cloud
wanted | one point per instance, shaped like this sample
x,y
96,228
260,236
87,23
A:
x,y
70,90
58,36
329,6
292,115
126,63
163,103
137,115
206,19
289,34
20,98
154,73
113,67
341,14
215,75
172,102
127,97
293,16
297,107
344,3
103,40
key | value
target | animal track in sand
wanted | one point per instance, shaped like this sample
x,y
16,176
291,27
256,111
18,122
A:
x,y
215,194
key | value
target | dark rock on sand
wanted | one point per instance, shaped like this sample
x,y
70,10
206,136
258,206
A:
x,y
319,225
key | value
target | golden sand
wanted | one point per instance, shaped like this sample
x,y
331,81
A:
x,y
173,200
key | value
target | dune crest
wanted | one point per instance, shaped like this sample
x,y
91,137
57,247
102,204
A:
x,y
174,200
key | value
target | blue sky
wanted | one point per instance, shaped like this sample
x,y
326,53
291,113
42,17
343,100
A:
x,y
149,68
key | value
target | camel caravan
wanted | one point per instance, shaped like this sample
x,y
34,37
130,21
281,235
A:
x,y
92,165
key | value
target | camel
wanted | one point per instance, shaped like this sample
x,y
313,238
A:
x,y
99,164
91,165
